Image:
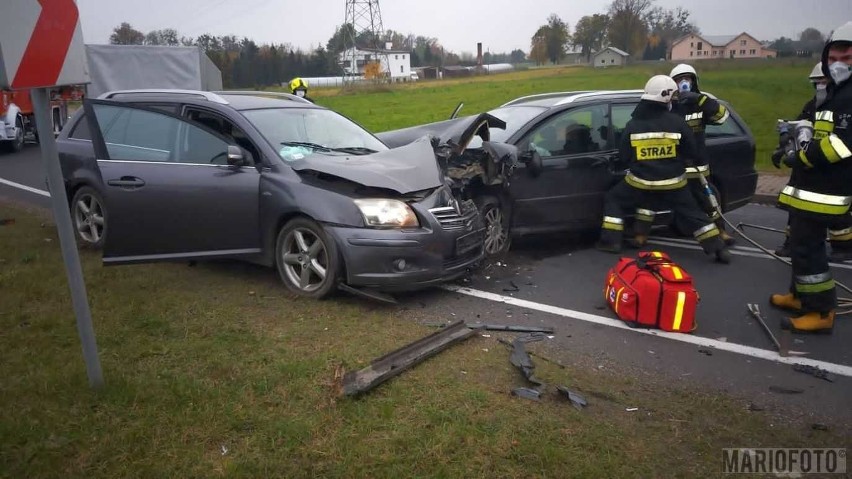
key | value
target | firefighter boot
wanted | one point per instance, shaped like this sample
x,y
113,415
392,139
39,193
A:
x,y
784,249
726,238
813,322
638,241
723,256
607,247
786,301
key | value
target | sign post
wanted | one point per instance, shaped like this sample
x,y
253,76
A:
x,y
41,46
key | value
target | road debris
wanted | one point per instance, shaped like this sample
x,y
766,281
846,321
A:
x,y
395,362
632,409
814,371
521,359
705,351
783,390
577,401
513,287
754,407
819,427
7,221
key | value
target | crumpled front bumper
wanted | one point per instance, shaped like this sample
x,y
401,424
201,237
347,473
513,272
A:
x,y
445,247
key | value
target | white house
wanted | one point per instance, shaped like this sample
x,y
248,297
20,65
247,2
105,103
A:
x,y
395,63
610,57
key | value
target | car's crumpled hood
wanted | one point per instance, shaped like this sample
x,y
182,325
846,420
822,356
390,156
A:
x,y
405,169
417,166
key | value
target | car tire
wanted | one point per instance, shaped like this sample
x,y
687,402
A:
x,y
17,144
307,259
497,235
89,217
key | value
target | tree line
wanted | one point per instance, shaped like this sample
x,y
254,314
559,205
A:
x,y
245,63
638,27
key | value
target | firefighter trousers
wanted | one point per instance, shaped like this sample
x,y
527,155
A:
x,y
624,199
812,281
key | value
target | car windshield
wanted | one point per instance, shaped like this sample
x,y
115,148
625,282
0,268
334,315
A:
x,y
514,116
299,132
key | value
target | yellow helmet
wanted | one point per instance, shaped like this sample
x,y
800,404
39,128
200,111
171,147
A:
x,y
298,84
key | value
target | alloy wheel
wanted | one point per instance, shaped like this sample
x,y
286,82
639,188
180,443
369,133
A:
x,y
89,218
496,235
305,259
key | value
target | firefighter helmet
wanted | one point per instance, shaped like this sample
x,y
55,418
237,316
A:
x,y
659,88
843,33
816,73
684,69
297,84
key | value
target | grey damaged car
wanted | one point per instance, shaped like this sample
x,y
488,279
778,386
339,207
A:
x,y
276,180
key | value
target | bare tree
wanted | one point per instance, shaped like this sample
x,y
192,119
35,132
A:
x,y
628,29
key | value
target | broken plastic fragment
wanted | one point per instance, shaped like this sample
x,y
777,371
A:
x,y
527,393
577,401
631,409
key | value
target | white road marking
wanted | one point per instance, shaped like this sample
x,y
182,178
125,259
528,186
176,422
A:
x,y
736,250
24,187
768,355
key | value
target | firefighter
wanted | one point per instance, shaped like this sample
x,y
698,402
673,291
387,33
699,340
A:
x,y
821,197
299,88
657,145
819,82
699,110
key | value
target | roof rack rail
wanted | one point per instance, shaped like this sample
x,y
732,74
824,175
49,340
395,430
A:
x,y
276,94
540,96
580,96
209,96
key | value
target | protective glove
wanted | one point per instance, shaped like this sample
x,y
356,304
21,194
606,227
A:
x,y
791,158
688,96
777,157
783,139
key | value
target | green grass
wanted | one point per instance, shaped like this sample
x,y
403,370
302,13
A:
x,y
197,358
761,92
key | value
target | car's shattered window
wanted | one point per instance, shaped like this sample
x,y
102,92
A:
x,y
296,133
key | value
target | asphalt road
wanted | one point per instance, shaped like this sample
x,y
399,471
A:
x,y
558,281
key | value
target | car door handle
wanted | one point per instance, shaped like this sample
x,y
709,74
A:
x,y
127,182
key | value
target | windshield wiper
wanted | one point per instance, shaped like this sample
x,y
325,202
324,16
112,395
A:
x,y
315,146
357,150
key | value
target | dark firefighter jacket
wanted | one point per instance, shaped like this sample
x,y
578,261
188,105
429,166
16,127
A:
x,y
656,145
700,110
824,168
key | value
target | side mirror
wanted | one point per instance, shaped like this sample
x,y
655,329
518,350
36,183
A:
x,y
532,160
235,156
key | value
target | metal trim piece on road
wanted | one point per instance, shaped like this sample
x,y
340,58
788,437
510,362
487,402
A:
x,y
742,349
24,187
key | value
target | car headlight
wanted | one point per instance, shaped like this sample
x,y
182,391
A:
x,y
383,213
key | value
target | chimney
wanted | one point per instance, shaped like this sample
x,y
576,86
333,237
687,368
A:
x,y
479,53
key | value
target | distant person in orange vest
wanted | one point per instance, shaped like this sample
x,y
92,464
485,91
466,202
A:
x,y
299,88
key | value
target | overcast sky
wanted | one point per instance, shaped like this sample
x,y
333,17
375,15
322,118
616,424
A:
x,y
501,25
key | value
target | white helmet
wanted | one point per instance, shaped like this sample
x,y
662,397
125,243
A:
x,y
683,69
843,33
659,88
816,73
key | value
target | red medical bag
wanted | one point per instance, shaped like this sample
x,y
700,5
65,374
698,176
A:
x,y
652,291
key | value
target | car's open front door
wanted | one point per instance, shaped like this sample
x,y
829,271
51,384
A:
x,y
171,191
